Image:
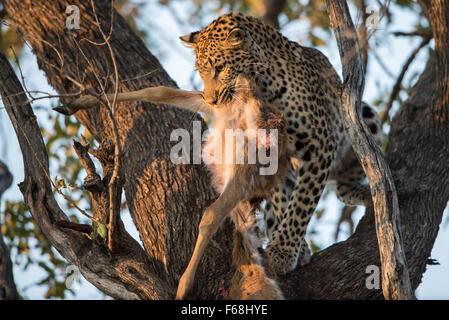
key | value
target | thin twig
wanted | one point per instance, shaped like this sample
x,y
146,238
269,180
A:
x,y
83,228
20,71
114,187
106,38
397,86
382,64
141,76
384,12
426,33
60,57
56,188
47,96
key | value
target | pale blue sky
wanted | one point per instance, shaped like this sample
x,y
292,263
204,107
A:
x,y
178,61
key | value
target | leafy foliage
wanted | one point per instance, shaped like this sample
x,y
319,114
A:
x,y
28,246
8,37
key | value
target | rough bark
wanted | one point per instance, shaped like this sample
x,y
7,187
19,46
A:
x,y
166,201
8,290
438,13
126,274
395,277
417,156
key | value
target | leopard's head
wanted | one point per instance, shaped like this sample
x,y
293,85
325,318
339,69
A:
x,y
224,50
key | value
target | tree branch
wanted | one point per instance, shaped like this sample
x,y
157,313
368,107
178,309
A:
x,y
273,9
5,178
166,201
438,13
8,290
125,275
417,155
395,277
397,86
426,33
363,34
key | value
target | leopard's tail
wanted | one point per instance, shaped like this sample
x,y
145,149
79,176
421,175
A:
x,y
250,280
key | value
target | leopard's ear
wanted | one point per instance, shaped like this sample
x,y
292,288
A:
x,y
236,36
190,39
242,83
244,88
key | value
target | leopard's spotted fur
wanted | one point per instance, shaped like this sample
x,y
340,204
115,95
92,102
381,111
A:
x,y
302,83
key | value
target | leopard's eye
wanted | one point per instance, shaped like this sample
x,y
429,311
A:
x,y
219,68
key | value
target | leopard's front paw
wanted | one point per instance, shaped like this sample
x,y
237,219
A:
x,y
305,255
281,260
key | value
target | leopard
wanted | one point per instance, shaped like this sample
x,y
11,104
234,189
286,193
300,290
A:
x,y
346,176
301,82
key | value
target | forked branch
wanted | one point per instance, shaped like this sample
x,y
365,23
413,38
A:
x,y
127,274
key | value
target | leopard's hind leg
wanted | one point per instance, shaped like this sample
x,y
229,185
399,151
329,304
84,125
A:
x,y
347,171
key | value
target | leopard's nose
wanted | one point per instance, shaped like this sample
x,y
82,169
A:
x,y
212,100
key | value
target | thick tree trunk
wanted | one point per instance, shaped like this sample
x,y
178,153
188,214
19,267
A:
x,y
273,9
8,290
125,275
438,13
166,201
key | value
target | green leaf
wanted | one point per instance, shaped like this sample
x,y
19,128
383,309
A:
x,y
316,41
61,183
319,214
314,247
404,3
94,232
102,231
